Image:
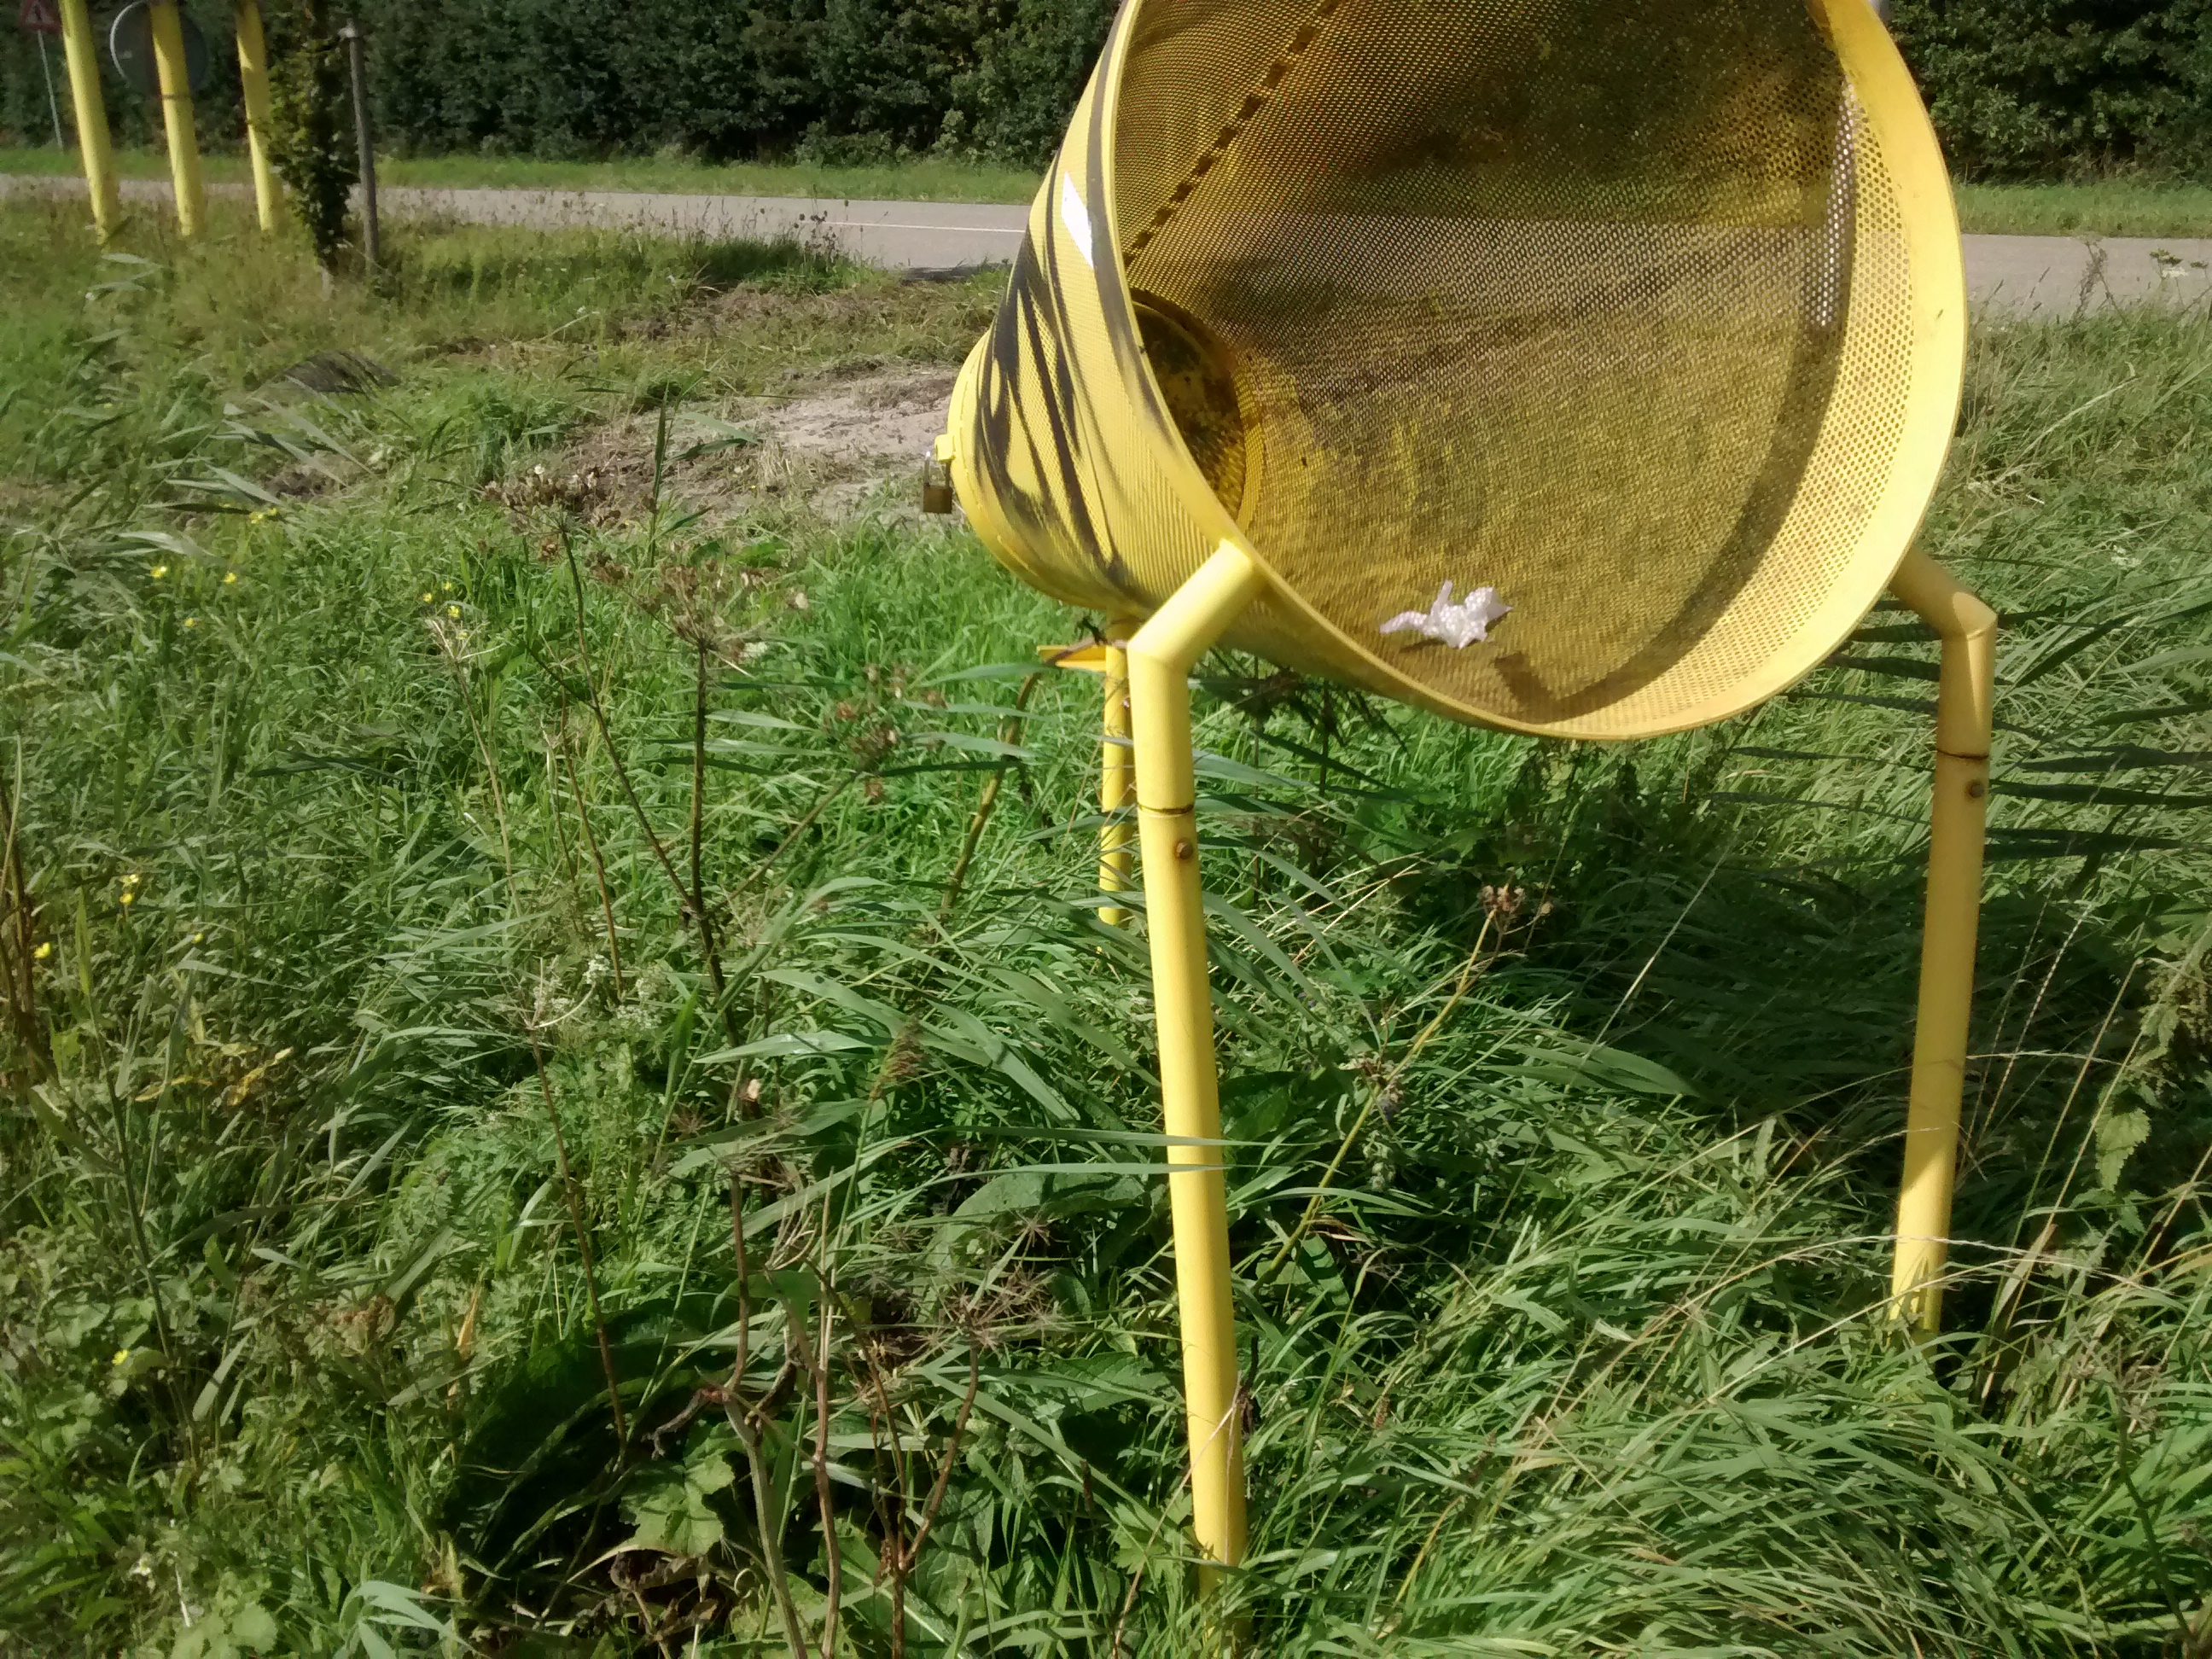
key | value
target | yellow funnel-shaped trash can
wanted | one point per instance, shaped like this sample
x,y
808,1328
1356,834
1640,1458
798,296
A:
x,y
1649,320
1570,368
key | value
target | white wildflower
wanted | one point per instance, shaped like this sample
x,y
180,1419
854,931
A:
x,y
1457,625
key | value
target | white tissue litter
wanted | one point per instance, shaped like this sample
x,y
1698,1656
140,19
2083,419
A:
x,y
1457,625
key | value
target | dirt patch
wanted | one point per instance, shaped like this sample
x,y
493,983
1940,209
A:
x,y
886,417
303,480
827,446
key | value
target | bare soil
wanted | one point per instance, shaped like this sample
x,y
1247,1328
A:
x,y
828,447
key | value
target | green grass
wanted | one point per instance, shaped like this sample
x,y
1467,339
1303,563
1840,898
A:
x,y
920,179
2111,208
1582,1353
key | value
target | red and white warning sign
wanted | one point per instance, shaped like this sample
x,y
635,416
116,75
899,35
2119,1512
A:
x,y
39,17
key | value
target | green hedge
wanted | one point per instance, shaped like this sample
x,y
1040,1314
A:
x,y
2065,89
837,80
2020,88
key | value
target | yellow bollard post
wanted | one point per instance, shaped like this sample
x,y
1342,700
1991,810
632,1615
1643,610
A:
x,y
83,60
1117,774
177,116
253,86
1963,722
1160,659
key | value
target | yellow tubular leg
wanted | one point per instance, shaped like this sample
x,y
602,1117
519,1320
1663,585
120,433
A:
x,y
91,116
253,85
1964,721
1160,659
177,116
1117,774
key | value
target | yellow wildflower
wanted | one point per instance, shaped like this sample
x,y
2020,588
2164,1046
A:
x,y
230,579
44,949
191,622
454,611
122,1357
427,598
159,571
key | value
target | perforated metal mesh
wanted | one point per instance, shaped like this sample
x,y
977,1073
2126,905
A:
x,y
1562,315
1612,309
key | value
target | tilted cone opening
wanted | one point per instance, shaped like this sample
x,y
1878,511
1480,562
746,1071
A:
x,y
1651,321
1197,378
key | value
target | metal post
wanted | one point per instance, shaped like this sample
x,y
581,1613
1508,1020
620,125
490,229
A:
x,y
1963,723
253,86
53,104
177,116
1117,774
83,63
1160,659
357,62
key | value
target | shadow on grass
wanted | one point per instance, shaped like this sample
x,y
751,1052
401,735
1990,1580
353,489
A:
x,y
1781,983
432,259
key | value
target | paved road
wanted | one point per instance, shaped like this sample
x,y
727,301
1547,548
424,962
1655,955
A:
x,y
900,235
2058,276
2012,276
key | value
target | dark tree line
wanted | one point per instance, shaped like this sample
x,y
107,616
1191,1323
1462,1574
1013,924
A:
x,y
2059,88
2020,88
837,80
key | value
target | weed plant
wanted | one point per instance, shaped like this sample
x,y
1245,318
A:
x,y
566,1091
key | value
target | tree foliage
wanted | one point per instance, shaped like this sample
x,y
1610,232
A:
x,y
2054,88
2018,89
832,80
313,151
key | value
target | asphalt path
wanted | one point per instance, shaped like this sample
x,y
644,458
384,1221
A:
x,y
2006,276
